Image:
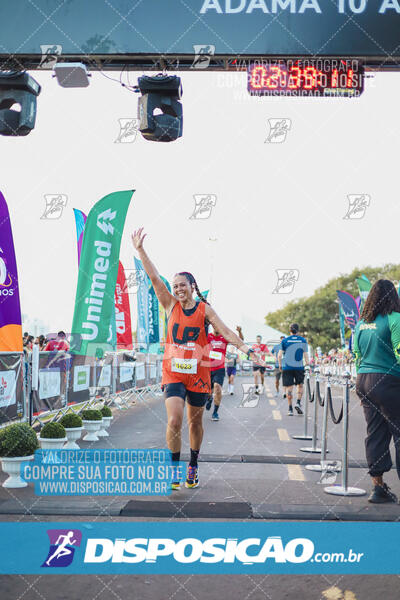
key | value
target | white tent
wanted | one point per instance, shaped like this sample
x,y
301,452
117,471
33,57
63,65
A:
x,y
251,329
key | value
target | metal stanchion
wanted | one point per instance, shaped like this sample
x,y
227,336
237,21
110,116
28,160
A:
x,y
305,436
324,449
344,490
314,448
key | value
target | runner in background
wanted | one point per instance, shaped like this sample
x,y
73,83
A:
x,y
278,371
294,349
218,345
258,370
186,364
231,365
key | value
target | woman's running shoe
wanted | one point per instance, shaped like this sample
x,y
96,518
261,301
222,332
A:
x,y
175,481
192,477
209,402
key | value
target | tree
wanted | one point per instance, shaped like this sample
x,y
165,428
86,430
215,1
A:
x,y
318,315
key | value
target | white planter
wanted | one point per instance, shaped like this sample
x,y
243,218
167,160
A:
x,y
12,466
92,427
52,443
102,431
107,422
73,434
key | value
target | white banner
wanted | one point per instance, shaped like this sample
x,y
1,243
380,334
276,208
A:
x,y
105,376
7,388
140,371
125,372
81,378
49,383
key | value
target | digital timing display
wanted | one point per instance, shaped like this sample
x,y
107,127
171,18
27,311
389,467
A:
x,y
321,77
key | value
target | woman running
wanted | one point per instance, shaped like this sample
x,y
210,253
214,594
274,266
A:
x,y
186,364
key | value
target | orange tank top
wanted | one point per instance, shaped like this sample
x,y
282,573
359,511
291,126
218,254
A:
x,y
186,357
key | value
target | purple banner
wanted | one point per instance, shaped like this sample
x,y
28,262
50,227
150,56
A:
x,y
349,307
10,309
80,220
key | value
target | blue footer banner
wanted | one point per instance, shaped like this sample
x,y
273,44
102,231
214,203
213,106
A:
x,y
203,547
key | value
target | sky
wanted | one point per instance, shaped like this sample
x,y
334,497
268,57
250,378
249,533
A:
x,y
278,206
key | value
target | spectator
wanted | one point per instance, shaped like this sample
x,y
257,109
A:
x,y
377,350
60,344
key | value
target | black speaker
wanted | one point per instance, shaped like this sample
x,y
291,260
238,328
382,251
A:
x,y
17,88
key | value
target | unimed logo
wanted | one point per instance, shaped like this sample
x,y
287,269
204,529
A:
x,y
191,550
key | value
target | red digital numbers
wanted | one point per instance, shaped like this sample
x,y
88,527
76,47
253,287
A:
x,y
294,78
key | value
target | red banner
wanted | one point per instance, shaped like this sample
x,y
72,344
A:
x,y
122,312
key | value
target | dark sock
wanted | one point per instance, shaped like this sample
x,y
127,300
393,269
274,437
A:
x,y
194,454
216,408
176,456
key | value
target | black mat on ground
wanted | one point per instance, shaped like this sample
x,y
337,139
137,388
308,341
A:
x,y
306,512
184,510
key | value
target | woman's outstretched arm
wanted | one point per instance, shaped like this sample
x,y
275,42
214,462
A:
x,y
164,296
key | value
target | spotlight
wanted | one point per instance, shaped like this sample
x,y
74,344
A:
x,y
21,89
161,92
71,75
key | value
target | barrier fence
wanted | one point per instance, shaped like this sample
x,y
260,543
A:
x,y
44,385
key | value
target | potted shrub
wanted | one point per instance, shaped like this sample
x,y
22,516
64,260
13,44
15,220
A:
x,y
18,443
92,421
107,418
52,436
73,429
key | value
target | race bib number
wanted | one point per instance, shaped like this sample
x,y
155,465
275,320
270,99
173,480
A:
x,y
184,365
215,355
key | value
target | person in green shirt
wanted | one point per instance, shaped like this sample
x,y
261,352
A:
x,y
377,351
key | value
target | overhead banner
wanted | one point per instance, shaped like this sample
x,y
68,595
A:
x,y
98,268
10,309
122,312
350,308
338,28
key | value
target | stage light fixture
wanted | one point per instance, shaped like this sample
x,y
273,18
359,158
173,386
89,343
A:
x,y
17,88
160,93
71,75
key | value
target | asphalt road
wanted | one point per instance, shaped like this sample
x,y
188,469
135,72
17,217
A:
x,y
249,459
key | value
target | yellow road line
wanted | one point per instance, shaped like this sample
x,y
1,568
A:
x,y
295,473
277,415
272,402
283,435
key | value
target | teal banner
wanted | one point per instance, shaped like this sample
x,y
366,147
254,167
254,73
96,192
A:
x,y
98,268
339,28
